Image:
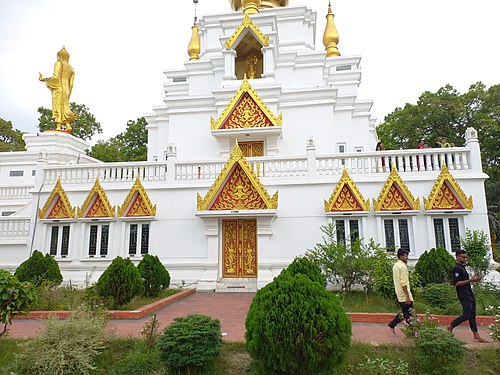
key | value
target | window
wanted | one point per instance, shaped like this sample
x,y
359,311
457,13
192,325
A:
x,y
59,240
342,149
346,229
7,213
16,173
33,172
397,234
138,241
98,240
447,233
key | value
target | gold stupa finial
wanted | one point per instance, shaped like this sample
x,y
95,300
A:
x,y
236,4
331,36
194,43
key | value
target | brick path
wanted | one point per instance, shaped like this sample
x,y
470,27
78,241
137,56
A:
x,y
231,309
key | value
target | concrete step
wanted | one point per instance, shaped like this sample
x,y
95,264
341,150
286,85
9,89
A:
x,y
240,285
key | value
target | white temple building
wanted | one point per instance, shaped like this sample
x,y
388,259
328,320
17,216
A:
x,y
261,139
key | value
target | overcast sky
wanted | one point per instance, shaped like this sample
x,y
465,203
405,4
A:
x,y
119,50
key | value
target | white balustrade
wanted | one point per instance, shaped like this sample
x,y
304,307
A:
x,y
15,192
11,227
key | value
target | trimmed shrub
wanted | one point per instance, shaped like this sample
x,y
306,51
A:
x,y
435,266
121,280
294,326
439,295
190,343
305,267
39,269
155,276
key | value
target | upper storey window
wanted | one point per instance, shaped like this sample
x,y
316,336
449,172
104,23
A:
x,y
249,58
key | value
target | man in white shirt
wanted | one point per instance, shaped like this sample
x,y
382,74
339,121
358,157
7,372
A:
x,y
402,288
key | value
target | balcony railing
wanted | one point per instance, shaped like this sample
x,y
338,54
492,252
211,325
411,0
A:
x,y
14,228
15,192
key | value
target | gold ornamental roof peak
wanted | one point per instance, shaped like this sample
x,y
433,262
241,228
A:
x,y
137,202
331,35
245,25
342,200
445,192
57,208
395,195
96,204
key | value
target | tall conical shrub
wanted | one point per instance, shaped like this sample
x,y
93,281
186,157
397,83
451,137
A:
x,y
155,276
39,269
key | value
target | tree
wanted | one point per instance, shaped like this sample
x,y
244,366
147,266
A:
x,y
39,269
155,276
10,139
85,127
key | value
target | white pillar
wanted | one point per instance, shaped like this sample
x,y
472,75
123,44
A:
x,y
229,64
472,142
171,161
268,68
311,157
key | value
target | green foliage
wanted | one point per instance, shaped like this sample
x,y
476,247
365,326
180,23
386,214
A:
x,y
190,343
85,127
382,274
306,267
417,324
495,327
487,294
140,362
381,366
53,297
294,326
150,333
39,269
435,266
121,280
15,298
439,295
10,139
477,245
64,346
155,276
438,352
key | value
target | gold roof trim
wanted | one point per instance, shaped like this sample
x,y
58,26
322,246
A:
x,y
346,180
245,88
57,191
139,189
446,176
236,157
395,178
96,189
247,23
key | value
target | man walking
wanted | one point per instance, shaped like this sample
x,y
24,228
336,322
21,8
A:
x,y
402,288
462,282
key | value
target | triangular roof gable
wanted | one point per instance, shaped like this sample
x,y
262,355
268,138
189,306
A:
x,y
57,205
245,26
137,202
446,194
97,204
237,187
245,110
395,195
346,197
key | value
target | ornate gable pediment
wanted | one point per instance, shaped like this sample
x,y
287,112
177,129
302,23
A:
x,y
446,194
137,202
57,205
245,110
395,195
237,188
346,197
246,25
97,204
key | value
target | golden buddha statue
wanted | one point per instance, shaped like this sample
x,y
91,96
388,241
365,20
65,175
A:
x,y
61,85
251,68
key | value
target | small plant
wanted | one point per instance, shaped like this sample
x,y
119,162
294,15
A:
x,y
477,246
190,343
306,267
150,333
140,362
495,327
39,270
381,366
415,325
435,266
155,276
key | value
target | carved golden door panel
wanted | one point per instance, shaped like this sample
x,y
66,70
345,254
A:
x,y
250,149
239,248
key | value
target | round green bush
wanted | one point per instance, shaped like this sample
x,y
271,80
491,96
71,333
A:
x,y
295,326
155,276
435,266
190,343
306,267
121,280
39,269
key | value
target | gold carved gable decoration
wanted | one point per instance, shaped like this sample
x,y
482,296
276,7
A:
x,y
137,202
395,195
245,25
57,205
346,197
245,110
97,204
237,188
446,194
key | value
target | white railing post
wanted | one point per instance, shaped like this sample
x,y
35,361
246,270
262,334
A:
x,y
171,160
472,142
311,157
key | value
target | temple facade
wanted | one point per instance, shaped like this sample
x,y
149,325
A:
x,y
261,140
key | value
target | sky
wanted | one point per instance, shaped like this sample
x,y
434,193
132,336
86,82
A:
x,y
119,50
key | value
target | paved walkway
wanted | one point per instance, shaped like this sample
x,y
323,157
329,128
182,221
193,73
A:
x,y
231,309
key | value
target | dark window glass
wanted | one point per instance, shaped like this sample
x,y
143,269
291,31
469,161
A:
x,y
132,243
104,240
404,237
145,239
390,243
340,230
54,237
65,241
454,234
439,233
93,240
354,230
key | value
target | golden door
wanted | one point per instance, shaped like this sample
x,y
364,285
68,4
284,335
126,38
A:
x,y
239,248
250,149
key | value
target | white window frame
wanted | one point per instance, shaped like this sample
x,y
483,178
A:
x,y
99,225
138,250
61,226
395,223
446,228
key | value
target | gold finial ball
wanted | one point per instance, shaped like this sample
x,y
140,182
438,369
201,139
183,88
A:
x,y
236,4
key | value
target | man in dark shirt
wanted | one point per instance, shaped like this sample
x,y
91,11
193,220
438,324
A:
x,y
462,282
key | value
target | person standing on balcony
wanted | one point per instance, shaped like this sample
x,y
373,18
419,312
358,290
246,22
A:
x,y
443,143
402,287
380,147
420,144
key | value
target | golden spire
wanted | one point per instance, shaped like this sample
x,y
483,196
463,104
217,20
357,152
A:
x,y
236,4
250,6
194,43
331,36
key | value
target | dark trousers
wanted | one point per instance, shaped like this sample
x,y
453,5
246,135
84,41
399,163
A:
x,y
468,313
406,314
